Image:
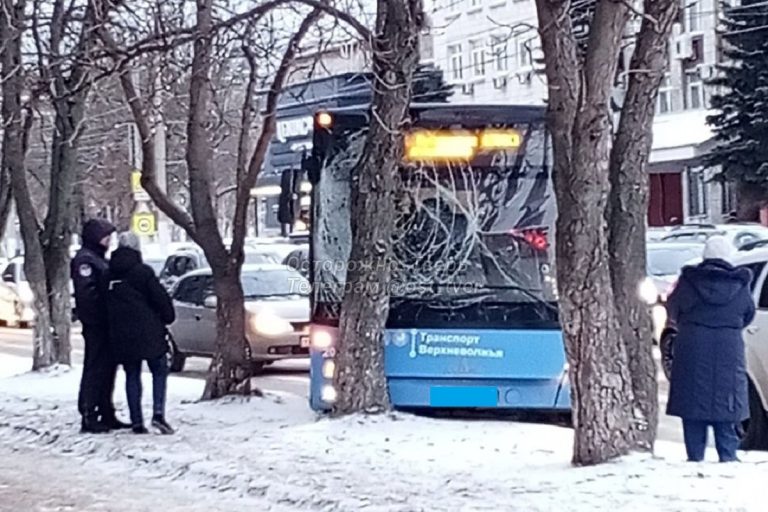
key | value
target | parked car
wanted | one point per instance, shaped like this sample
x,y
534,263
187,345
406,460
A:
x,y
655,234
739,234
190,259
278,251
665,261
276,310
298,260
16,299
751,246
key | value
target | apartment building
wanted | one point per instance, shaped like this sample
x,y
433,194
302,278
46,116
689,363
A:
x,y
490,51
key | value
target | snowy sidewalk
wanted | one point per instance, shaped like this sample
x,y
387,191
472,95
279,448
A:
x,y
274,450
31,481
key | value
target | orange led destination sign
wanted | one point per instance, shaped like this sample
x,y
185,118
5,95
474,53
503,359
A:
x,y
457,145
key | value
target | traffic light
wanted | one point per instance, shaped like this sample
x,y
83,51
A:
x,y
285,207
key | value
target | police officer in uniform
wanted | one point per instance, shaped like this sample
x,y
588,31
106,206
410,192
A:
x,y
99,369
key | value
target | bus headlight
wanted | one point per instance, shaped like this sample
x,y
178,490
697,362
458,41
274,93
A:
x,y
329,368
328,394
648,292
269,323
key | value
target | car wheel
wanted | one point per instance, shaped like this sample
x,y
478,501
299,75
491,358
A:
x,y
257,367
755,429
178,361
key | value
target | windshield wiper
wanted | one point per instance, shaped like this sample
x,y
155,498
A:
x,y
482,291
269,295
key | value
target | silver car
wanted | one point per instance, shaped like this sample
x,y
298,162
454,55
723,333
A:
x,y
276,314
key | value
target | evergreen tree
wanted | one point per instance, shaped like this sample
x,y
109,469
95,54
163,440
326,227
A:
x,y
741,121
429,85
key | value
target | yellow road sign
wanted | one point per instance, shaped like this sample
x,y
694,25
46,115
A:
x,y
136,187
144,224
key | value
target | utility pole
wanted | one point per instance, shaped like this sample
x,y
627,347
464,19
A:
x,y
163,227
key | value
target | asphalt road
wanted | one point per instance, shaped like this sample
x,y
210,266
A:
x,y
287,377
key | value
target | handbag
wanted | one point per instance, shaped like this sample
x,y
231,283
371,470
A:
x,y
666,347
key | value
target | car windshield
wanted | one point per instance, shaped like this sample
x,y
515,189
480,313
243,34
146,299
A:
x,y
274,283
668,261
157,265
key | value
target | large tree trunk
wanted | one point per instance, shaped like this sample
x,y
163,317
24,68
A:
x,y
60,218
628,210
225,375
5,200
231,367
580,122
359,379
11,27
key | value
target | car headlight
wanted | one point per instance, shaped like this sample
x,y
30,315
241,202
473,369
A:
x,y
269,323
26,296
648,292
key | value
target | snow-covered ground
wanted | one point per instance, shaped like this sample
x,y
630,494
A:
x,y
275,451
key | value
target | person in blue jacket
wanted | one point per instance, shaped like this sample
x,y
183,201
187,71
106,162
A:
x,y
710,307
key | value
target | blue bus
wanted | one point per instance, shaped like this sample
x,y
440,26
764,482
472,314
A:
x,y
473,321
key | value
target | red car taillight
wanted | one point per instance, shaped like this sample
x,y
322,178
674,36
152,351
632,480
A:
x,y
537,238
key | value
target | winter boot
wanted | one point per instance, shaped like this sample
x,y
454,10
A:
x,y
139,429
115,424
160,424
92,425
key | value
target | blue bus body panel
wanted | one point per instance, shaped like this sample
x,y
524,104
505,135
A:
x,y
451,368
518,369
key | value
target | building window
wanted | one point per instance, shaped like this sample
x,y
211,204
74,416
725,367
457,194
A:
x,y
694,90
478,58
524,54
499,52
456,61
697,193
692,15
454,5
728,197
664,102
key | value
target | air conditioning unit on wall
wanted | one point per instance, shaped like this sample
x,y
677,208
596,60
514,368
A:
x,y
682,47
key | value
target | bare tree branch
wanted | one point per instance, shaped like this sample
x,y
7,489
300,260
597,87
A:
x,y
267,130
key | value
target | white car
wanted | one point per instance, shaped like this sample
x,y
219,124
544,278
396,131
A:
x,y
665,261
755,431
16,299
756,340
739,234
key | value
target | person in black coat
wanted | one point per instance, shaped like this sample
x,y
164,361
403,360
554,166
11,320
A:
x,y
139,309
710,307
97,385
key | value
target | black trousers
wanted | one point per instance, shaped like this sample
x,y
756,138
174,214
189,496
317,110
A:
x,y
97,384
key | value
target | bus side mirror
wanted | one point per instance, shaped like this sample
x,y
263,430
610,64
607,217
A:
x,y
311,165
